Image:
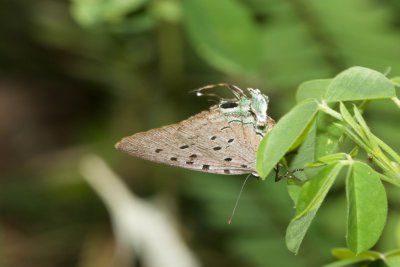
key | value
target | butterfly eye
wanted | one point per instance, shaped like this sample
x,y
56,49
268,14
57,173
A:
x,y
229,105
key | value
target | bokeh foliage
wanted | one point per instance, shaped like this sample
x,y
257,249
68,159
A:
x,y
75,76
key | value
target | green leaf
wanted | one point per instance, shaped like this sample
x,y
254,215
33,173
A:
x,y
296,231
314,89
291,128
310,199
224,34
392,259
360,120
331,158
396,81
351,121
355,132
349,258
93,12
294,189
306,152
367,207
393,180
345,253
387,149
358,83
352,135
354,152
314,191
329,135
364,127
305,155
169,11
347,263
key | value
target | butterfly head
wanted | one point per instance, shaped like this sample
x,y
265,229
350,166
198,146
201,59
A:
x,y
259,106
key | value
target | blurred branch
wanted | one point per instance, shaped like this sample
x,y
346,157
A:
x,y
137,224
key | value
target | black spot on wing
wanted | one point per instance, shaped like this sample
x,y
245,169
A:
x,y
217,148
184,147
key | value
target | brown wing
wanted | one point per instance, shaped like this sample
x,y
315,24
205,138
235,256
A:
x,y
204,142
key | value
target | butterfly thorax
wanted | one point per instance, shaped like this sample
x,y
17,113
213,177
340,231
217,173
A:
x,y
247,110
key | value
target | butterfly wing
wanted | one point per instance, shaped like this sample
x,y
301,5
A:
x,y
205,142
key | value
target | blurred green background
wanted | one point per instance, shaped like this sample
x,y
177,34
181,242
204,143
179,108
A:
x,y
76,76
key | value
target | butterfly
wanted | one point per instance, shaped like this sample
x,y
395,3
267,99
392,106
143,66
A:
x,y
222,140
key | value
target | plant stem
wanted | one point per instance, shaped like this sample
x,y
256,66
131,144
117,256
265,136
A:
x,y
370,143
325,108
396,101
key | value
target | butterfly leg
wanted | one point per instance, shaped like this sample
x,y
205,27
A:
x,y
278,177
289,174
